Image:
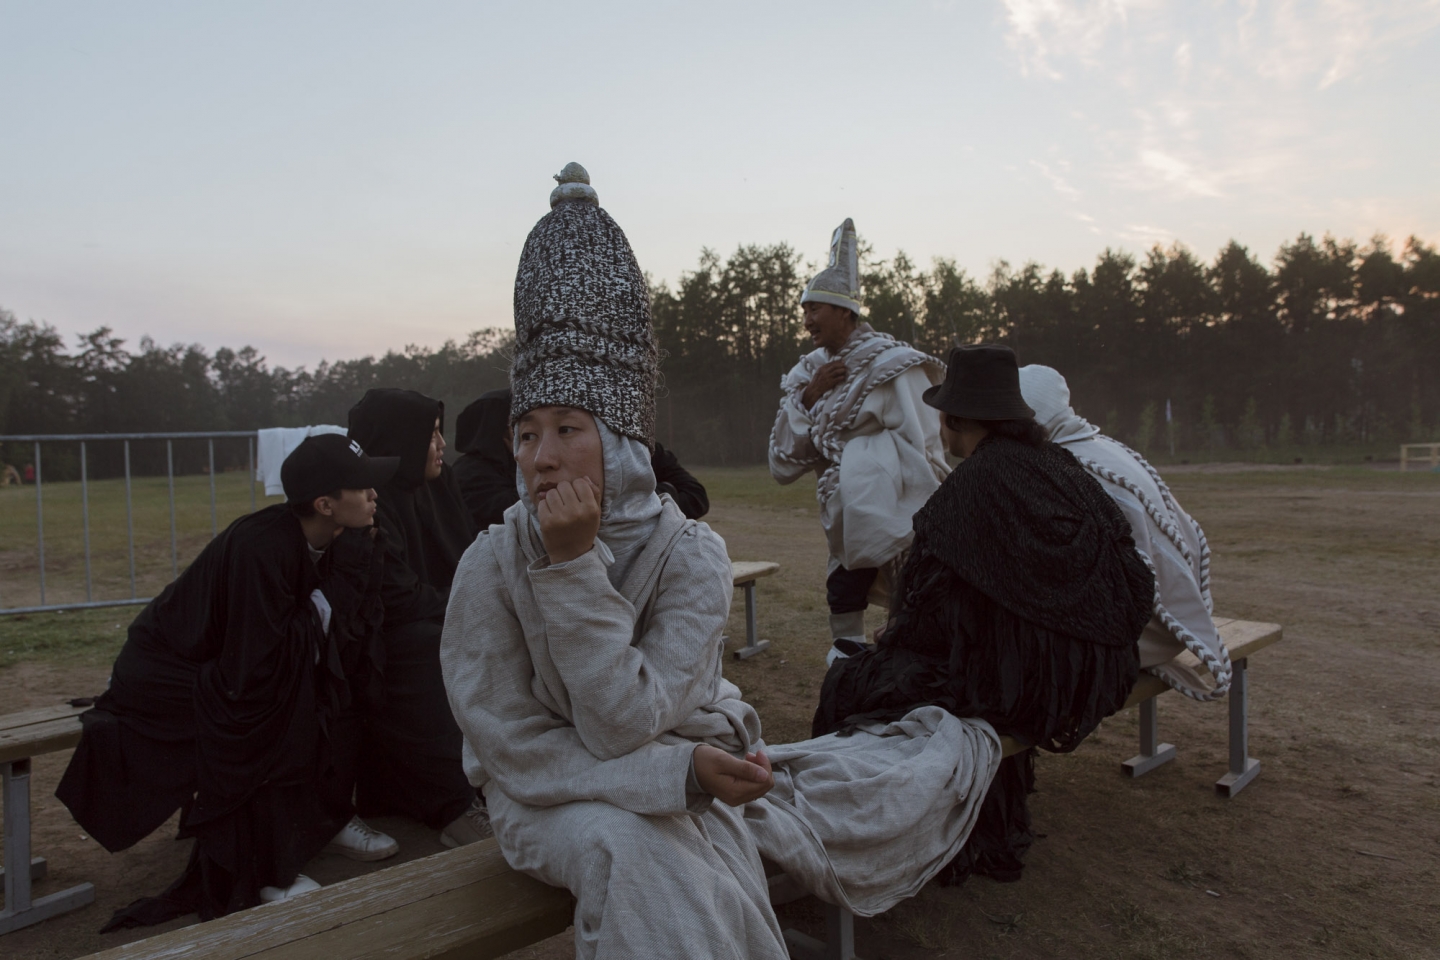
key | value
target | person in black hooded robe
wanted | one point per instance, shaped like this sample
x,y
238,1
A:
x,y
410,754
225,700
486,469
1021,602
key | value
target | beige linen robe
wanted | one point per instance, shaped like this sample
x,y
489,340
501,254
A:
x,y
581,705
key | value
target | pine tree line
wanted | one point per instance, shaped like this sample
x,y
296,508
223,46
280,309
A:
x,y
1332,343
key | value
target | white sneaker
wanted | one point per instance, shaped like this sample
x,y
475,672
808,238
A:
x,y
360,841
845,647
471,826
302,884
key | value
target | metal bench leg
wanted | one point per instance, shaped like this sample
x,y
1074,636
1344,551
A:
x,y
839,938
1243,767
752,645
20,910
1152,753
38,869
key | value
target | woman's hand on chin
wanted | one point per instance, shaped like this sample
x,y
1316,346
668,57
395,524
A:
x,y
730,779
569,515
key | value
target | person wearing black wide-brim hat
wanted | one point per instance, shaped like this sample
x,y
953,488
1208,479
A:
x,y
1023,599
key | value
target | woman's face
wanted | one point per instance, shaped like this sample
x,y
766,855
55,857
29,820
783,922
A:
x,y
435,456
553,444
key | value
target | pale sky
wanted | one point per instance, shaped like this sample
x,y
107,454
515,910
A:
x,y
335,179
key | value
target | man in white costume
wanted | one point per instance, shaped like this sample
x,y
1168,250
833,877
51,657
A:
x,y
1165,535
582,656
851,412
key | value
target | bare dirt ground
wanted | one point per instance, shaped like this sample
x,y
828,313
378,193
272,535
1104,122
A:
x,y
1334,851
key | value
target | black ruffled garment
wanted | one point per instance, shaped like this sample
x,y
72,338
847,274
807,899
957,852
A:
x,y
224,703
410,758
1021,603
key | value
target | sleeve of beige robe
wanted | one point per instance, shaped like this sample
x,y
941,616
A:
x,y
625,692
792,452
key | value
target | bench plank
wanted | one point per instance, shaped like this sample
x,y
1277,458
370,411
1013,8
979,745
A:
x,y
745,570
25,718
1245,637
37,738
459,903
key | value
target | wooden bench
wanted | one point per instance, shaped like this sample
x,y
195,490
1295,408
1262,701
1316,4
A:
x,y
463,903
744,574
467,903
23,735
1242,638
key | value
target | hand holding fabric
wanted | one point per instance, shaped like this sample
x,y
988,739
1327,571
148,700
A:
x,y
827,378
729,779
569,515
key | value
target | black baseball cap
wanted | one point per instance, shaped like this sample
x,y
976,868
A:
x,y
328,462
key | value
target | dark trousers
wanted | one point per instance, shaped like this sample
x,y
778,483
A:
x,y
849,590
410,755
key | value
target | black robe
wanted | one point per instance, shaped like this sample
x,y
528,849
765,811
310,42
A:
x,y
221,704
485,471
1021,603
689,494
409,760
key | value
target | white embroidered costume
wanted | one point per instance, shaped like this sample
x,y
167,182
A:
x,y
1165,535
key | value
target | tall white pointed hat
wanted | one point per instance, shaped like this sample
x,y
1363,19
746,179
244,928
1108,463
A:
x,y
839,283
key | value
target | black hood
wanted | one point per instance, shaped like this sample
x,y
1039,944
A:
x,y
480,428
397,423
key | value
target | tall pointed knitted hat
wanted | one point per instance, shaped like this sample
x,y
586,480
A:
x,y
839,283
583,336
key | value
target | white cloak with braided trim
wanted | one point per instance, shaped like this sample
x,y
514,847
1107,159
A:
x,y
872,443
1165,535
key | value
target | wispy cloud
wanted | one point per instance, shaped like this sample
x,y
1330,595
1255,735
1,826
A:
x,y
1323,42
1043,33
1320,42
1231,99
1061,185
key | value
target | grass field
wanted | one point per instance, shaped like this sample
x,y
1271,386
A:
x,y
110,557
1334,851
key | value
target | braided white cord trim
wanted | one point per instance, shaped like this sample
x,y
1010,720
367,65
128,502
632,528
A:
x,y
1175,508
1219,667
1164,520
829,480
828,444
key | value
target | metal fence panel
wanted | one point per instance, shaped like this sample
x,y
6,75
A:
x,y
84,440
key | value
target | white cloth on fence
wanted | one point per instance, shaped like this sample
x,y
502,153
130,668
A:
x,y
1165,535
864,821
277,443
872,443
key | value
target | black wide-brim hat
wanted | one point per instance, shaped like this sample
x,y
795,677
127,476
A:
x,y
981,383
